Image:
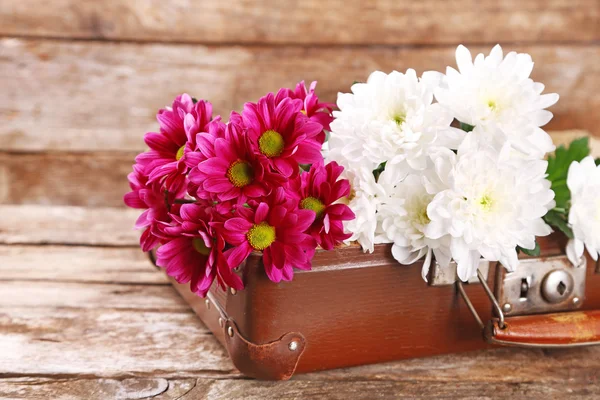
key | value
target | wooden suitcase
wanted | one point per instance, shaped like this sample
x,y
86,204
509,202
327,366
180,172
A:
x,y
354,308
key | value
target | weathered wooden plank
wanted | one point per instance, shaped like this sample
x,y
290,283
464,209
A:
x,y
87,295
90,389
40,224
307,22
78,264
256,390
89,179
85,96
228,389
100,342
497,365
35,388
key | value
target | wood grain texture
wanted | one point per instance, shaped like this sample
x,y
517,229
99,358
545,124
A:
x,y
51,340
39,224
83,96
307,22
92,296
227,389
66,264
90,179
368,390
77,388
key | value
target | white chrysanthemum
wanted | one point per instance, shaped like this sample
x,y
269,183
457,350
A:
x,y
403,215
498,90
365,197
583,181
492,206
391,119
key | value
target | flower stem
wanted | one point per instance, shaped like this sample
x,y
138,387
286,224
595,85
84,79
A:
x,y
184,201
466,127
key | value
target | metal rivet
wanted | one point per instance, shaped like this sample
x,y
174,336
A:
x,y
230,331
220,322
207,303
507,307
293,346
233,291
576,300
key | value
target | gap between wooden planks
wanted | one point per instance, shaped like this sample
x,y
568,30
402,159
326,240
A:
x,y
97,96
307,22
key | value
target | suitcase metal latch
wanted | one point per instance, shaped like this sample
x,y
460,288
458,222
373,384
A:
x,y
545,285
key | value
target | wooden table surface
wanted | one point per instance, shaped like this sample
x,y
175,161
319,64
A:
x,y
84,315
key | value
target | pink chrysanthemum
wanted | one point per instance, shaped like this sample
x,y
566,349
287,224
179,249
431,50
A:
x,y
313,108
179,126
282,134
319,190
195,251
231,170
277,231
150,197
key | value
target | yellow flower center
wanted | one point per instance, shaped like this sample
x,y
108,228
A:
x,y
200,247
486,202
271,143
492,105
399,118
261,236
314,204
180,153
240,173
352,194
421,216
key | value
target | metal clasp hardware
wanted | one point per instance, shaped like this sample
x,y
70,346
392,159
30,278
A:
x,y
439,276
488,291
545,285
538,286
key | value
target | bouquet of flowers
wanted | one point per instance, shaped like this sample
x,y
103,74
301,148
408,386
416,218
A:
x,y
447,166
214,192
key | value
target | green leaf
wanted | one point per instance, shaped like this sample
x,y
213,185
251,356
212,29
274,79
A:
x,y
535,252
558,164
466,127
558,168
355,82
377,171
597,161
562,194
194,100
559,221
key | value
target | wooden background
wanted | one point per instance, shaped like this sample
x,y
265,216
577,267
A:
x,y
82,314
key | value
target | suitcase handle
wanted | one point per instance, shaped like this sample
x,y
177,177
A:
x,y
567,329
